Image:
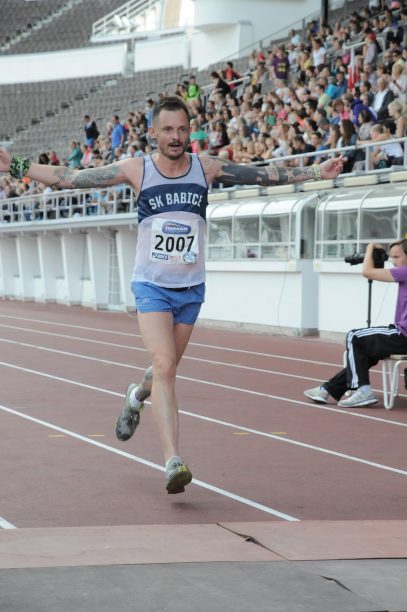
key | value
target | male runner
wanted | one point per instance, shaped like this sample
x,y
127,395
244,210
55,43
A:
x,y
169,274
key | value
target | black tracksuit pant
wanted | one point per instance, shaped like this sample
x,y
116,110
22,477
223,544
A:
x,y
365,348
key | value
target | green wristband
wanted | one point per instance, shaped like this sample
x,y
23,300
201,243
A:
x,y
19,166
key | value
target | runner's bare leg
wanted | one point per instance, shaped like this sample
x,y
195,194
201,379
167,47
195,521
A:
x,y
166,344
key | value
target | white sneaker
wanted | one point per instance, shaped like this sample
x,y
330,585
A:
x,y
358,398
317,394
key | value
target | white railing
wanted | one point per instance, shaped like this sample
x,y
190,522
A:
x,y
67,204
135,15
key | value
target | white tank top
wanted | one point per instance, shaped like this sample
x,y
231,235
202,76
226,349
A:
x,y
171,227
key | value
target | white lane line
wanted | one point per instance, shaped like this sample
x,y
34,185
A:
x,y
327,451
134,335
209,383
143,350
225,423
111,449
5,524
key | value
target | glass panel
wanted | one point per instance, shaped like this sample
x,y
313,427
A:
x,y
403,229
246,251
220,252
246,229
220,231
274,251
275,228
379,217
340,225
379,223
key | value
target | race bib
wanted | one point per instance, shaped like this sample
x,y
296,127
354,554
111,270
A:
x,y
173,242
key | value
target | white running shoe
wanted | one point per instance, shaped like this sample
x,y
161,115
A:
x,y
359,398
317,394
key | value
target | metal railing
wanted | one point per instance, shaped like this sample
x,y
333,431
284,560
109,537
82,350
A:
x,y
68,204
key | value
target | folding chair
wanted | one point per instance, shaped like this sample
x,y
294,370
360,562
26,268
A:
x,y
391,378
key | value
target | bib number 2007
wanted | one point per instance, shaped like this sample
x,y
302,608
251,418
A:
x,y
170,243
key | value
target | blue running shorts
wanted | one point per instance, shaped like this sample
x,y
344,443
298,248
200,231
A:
x,y
184,304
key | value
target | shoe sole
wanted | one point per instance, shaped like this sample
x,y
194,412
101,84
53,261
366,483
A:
x,y
365,403
318,400
178,482
127,406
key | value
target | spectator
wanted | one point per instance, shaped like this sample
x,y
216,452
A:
x,y
219,85
382,99
299,146
384,155
193,95
54,159
118,137
398,112
318,52
43,159
280,64
197,135
370,50
398,81
75,156
365,124
91,131
231,74
334,134
347,138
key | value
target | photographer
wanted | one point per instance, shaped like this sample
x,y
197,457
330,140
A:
x,y
365,347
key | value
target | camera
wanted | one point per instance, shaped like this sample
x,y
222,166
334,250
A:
x,y
379,258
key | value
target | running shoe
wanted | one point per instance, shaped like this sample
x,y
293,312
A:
x,y
129,419
359,398
177,476
317,394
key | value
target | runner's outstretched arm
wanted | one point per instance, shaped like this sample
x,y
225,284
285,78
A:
x,y
236,174
67,178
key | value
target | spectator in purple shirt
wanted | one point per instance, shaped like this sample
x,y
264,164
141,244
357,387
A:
x,y
365,347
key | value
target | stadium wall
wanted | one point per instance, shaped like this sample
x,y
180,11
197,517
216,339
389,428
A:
x,y
56,65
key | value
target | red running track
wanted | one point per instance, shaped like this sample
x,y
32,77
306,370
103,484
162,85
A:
x,y
258,449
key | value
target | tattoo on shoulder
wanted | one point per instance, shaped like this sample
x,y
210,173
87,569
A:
x,y
235,174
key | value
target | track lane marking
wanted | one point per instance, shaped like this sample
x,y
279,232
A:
x,y
187,357
111,449
134,335
227,424
214,384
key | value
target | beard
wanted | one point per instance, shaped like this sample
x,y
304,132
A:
x,y
175,150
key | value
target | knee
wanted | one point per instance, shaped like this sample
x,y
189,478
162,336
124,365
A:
x,y
164,368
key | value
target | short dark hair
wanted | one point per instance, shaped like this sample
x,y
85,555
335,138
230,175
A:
x,y
402,243
170,103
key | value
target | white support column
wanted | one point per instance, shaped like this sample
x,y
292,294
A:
x,y
8,266
28,265
51,268
98,250
126,241
73,259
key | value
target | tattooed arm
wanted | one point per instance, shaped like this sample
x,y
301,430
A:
x,y
234,174
66,178
125,171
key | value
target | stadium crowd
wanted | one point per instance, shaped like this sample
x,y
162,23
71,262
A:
x,y
325,88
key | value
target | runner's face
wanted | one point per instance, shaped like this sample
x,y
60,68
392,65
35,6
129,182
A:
x,y
171,130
